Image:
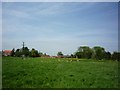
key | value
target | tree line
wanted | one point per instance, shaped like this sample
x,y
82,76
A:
x,y
96,52
24,51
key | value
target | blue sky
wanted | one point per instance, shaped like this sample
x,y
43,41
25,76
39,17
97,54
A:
x,y
51,27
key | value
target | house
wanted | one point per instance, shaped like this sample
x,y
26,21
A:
x,y
7,52
45,56
57,56
53,56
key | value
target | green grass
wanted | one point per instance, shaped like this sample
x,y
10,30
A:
x,y
58,73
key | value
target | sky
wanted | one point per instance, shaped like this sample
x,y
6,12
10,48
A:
x,y
50,27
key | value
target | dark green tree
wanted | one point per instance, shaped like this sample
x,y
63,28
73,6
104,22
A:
x,y
98,52
85,52
18,53
78,54
107,55
34,53
116,56
72,56
59,54
25,51
13,52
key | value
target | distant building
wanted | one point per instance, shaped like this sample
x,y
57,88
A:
x,y
6,52
46,56
60,56
53,56
57,56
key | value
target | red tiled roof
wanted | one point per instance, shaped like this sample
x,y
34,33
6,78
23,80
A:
x,y
7,51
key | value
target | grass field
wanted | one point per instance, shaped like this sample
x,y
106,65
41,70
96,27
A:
x,y
58,73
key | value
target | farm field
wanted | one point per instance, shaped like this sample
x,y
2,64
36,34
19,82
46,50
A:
x,y
58,73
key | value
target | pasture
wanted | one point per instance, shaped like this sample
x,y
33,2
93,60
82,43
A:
x,y
58,73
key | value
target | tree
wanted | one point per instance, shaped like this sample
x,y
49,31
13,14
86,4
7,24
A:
x,y
78,54
59,54
18,53
13,52
72,56
34,53
40,54
116,56
107,55
98,52
84,52
25,51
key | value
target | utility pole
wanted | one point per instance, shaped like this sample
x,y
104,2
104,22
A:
x,y
23,56
23,45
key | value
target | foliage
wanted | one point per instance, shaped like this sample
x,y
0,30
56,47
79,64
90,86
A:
x,y
99,52
13,52
25,51
18,53
40,54
107,56
79,54
34,53
116,56
72,56
85,52
59,54
96,52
